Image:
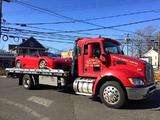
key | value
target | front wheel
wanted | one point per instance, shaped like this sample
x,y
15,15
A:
x,y
112,94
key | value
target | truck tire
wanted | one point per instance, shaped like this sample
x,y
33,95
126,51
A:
x,y
27,82
112,94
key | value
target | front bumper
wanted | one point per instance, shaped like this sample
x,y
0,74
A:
x,y
140,93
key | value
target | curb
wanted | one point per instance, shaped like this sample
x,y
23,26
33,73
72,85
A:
x,y
3,76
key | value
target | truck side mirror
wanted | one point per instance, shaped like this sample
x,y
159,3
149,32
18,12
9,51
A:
x,y
90,51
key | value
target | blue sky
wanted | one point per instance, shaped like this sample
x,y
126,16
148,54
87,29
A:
x,y
80,9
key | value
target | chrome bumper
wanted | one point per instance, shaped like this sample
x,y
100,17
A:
x,y
140,93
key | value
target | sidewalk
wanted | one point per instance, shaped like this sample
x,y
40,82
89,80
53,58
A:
x,y
3,76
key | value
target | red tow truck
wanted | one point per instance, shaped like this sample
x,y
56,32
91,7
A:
x,y
99,69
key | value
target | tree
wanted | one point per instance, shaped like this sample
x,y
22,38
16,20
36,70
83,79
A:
x,y
142,41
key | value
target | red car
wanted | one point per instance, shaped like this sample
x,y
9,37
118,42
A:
x,y
45,60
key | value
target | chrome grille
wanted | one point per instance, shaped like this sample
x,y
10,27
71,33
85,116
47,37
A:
x,y
149,72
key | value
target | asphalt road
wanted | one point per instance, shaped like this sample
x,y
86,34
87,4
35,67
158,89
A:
x,y
48,103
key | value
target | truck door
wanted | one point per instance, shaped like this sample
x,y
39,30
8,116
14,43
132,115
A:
x,y
92,64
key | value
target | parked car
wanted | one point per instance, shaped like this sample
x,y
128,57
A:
x,y
44,60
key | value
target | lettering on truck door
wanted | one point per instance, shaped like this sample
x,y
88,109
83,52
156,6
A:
x,y
92,65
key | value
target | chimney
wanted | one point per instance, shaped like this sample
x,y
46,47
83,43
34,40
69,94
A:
x,y
23,40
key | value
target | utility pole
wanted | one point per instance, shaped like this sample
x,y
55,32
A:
x,y
158,49
127,42
1,14
0,17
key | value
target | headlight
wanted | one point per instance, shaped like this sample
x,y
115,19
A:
x,y
136,81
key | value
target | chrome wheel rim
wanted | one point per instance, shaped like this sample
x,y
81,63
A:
x,y
42,64
111,95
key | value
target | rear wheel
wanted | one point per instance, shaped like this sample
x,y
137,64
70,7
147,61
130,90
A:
x,y
27,82
42,64
112,94
18,64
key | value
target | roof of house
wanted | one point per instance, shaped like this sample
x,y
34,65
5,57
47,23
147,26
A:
x,y
29,43
151,50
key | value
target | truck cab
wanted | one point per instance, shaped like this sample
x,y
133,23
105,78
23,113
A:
x,y
94,55
103,70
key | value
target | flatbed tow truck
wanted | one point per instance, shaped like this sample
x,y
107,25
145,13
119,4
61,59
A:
x,y
99,69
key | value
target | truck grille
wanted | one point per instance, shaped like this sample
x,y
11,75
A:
x,y
149,72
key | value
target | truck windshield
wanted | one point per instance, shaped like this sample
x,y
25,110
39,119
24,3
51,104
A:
x,y
111,47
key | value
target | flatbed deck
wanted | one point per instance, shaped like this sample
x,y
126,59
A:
x,y
50,72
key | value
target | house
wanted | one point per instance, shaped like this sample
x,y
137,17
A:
x,y
67,54
27,47
154,55
6,59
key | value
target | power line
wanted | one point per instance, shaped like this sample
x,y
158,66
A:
x,y
79,31
62,16
55,30
100,27
41,39
90,19
12,32
7,29
106,27
55,39
44,10
113,26
28,35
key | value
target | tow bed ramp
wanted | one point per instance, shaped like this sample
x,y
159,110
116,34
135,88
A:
x,y
50,72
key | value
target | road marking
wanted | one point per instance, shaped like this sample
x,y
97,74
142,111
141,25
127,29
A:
x,y
42,101
7,116
25,108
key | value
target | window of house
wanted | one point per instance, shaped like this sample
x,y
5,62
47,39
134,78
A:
x,y
156,57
